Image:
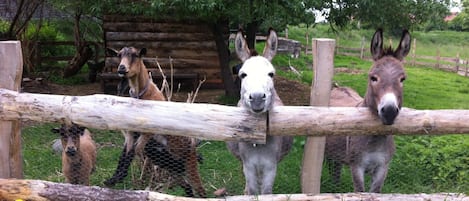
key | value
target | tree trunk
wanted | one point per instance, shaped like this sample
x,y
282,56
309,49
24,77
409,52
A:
x,y
251,31
224,58
83,52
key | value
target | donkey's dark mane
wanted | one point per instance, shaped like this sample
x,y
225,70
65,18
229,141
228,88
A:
x,y
254,53
388,51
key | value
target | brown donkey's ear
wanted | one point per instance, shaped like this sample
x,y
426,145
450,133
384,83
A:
x,y
376,47
270,49
241,46
404,46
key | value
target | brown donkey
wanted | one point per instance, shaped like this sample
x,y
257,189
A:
x,y
371,154
175,153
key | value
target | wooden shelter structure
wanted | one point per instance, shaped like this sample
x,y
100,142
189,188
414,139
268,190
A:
x,y
188,45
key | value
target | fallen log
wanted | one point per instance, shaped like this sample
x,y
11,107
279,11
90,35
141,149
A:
x,y
37,190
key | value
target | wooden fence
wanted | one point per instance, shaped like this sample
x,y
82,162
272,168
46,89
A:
x,y
452,64
40,59
205,121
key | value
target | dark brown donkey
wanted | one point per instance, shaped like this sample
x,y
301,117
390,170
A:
x,y
372,154
175,153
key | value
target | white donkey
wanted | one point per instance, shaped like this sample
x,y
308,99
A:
x,y
258,96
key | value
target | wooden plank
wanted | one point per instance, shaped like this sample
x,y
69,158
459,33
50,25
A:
x,y
165,63
313,155
154,45
156,27
11,68
158,36
141,18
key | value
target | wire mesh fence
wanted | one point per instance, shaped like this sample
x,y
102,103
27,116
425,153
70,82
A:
x,y
421,164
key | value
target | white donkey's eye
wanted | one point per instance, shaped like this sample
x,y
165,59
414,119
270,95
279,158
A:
x,y
243,75
271,74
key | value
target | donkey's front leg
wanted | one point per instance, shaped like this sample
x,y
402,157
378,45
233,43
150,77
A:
x,y
268,177
377,179
250,175
358,176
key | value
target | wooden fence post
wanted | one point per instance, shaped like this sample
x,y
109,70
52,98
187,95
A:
x,y
336,46
307,42
362,48
437,65
323,68
467,68
11,68
457,63
414,48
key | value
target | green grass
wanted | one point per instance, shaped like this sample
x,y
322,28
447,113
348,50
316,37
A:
x,y
422,164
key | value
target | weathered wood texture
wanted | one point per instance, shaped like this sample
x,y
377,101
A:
x,y
36,190
204,121
218,122
313,154
11,69
319,121
190,44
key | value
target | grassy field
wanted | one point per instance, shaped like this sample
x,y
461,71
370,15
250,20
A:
x,y
422,164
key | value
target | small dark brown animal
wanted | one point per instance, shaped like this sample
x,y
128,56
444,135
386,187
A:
x,y
371,154
78,154
177,154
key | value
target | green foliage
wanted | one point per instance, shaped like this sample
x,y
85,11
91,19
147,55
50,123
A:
x,y
4,25
440,163
391,15
461,22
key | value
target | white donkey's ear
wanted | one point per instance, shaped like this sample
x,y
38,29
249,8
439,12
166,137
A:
x,y
241,46
270,49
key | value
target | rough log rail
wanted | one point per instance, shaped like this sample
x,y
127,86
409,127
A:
x,y
36,190
204,121
218,122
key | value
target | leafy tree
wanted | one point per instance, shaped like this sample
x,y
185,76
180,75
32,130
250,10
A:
x,y
461,21
393,15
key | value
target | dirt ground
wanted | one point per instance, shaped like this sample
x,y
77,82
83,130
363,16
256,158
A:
x,y
291,92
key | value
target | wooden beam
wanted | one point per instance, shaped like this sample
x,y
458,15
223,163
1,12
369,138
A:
x,y
11,69
313,154
204,121
37,190
320,121
218,122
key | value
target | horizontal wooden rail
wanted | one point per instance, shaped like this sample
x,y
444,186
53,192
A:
x,y
37,190
204,121
218,122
